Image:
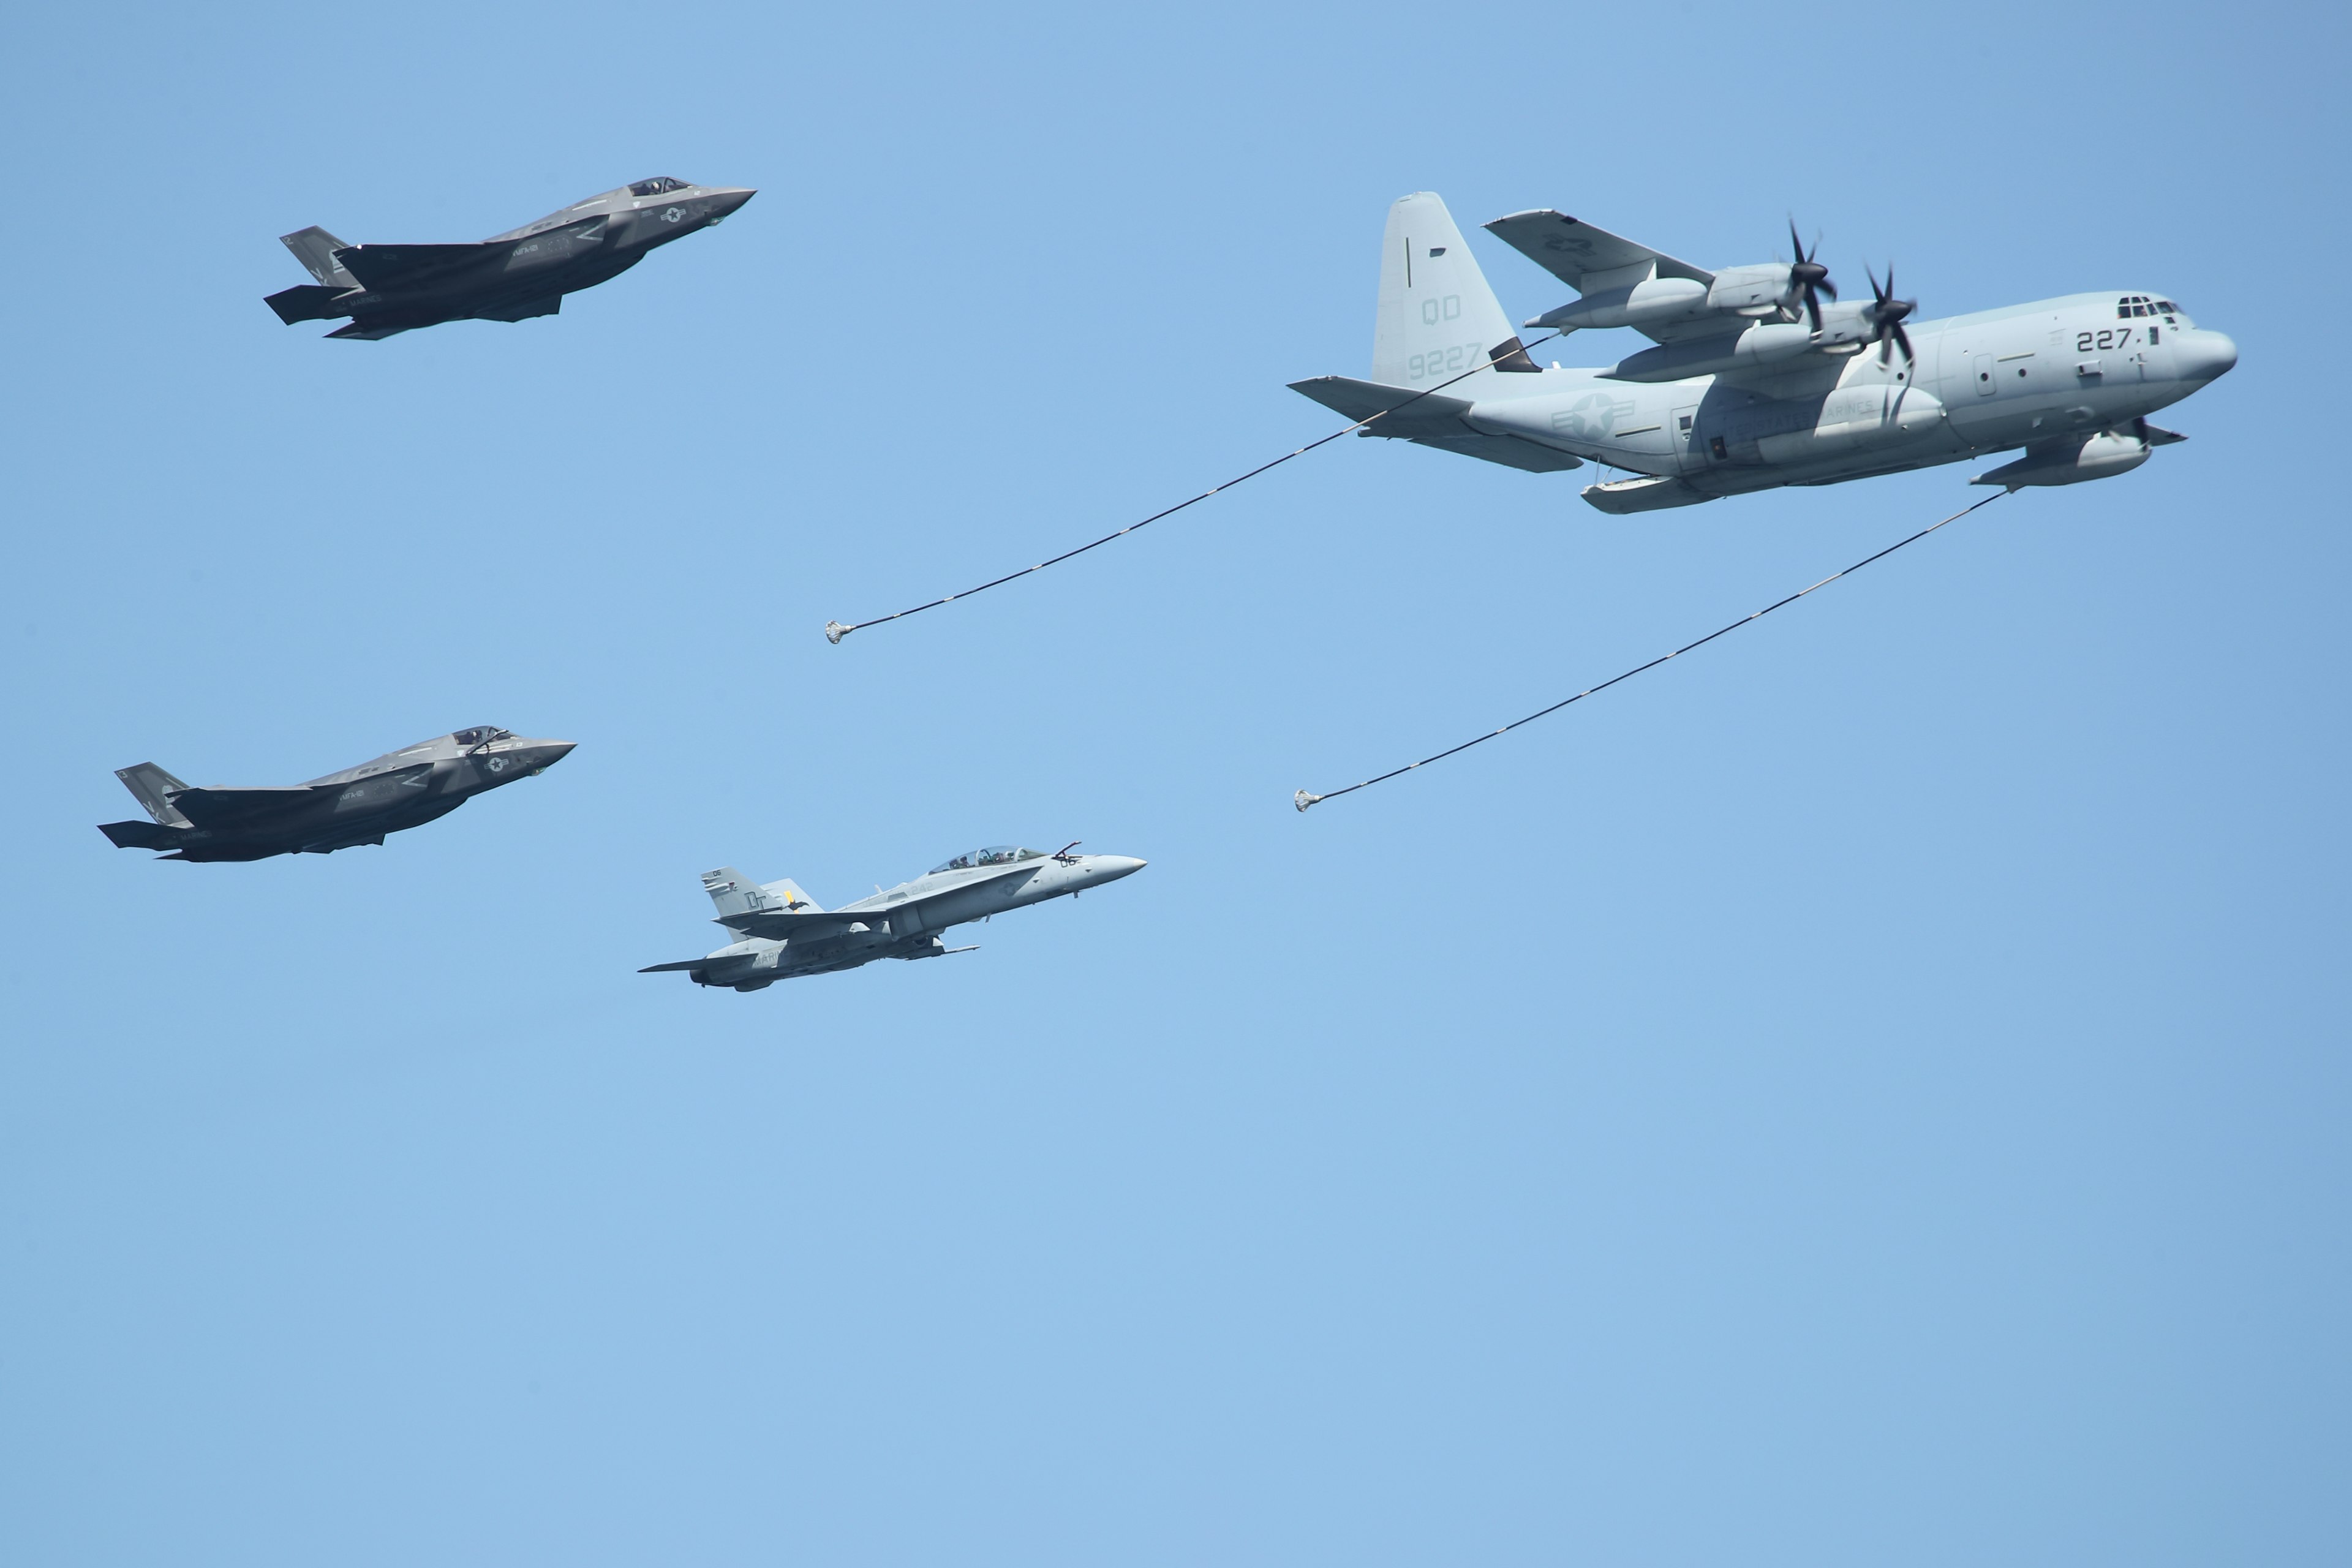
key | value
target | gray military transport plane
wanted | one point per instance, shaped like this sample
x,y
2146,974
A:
x,y
781,934
509,276
359,805
1755,382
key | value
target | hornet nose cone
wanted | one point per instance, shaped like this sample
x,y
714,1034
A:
x,y
2202,355
1111,868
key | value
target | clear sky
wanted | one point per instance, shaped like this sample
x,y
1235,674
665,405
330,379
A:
x,y
1871,1092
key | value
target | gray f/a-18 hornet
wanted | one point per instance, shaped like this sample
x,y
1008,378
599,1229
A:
x,y
782,934
359,805
1753,382
509,276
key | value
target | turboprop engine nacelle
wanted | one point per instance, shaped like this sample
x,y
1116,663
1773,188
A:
x,y
1760,344
2102,456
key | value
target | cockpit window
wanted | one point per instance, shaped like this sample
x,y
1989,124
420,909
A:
x,y
994,854
482,735
656,187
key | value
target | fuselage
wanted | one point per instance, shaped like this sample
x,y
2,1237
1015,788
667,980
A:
x,y
1984,383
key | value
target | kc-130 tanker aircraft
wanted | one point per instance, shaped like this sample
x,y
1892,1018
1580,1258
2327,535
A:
x,y
1755,382
509,276
401,789
782,934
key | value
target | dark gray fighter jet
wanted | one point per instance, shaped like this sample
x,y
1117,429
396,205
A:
x,y
511,276
359,805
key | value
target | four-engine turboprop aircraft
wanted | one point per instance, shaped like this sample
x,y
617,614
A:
x,y
782,934
1754,382
509,276
402,789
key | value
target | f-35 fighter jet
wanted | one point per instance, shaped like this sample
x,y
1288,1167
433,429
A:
x,y
511,276
782,934
359,805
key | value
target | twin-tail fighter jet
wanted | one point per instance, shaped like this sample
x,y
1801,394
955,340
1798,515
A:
x,y
511,276
781,934
1755,382
359,805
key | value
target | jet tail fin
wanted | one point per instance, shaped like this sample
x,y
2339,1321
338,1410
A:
x,y
315,249
734,893
1436,318
155,788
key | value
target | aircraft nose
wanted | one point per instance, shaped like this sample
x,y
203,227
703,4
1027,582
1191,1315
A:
x,y
1111,868
547,753
728,200
2203,355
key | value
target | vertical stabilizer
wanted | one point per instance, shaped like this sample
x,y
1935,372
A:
x,y
154,789
734,893
1437,318
315,249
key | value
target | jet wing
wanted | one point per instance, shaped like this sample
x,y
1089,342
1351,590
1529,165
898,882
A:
x,y
214,807
385,266
1572,250
801,925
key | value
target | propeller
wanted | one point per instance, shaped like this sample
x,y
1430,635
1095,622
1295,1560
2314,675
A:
x,y
1887,312
1808,278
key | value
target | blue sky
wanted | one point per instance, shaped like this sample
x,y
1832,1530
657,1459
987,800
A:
x,y
1872,1091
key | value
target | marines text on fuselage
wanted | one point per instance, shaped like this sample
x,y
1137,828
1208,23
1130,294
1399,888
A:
x,y
403,789
782,934
511,276
1754,383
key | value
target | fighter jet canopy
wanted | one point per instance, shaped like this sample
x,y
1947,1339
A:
x,y
660,185
994,854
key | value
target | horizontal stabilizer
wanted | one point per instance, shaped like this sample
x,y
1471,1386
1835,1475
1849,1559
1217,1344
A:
x,y
306,302
2156,434
1585,257
386,266
140,835
1508,450
214,807
1403,411
370,331
682,966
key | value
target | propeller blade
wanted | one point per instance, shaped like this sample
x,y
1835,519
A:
x,y
1813,309
1829,287
1905,339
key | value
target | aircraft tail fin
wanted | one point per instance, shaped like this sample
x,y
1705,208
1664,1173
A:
x,y
734,893
315,249
1437,318
154,789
